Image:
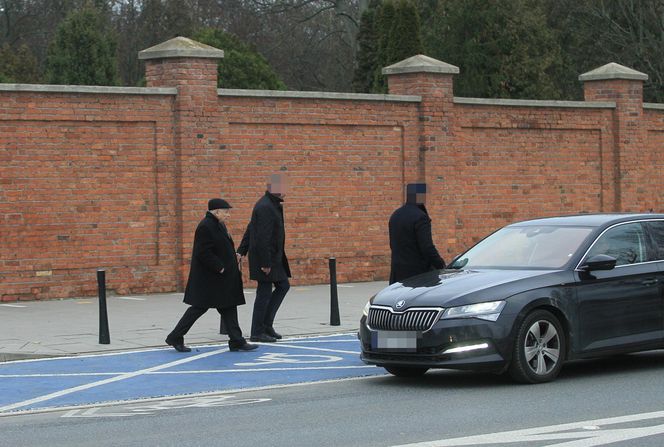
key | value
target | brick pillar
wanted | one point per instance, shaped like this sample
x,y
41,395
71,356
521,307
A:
x,y
624,86
432,80
431,161
191,67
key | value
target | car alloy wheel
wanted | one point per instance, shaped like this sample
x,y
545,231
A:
x,y
539,348
406,371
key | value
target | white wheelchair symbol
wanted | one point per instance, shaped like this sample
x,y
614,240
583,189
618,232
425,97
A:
x,y
273,357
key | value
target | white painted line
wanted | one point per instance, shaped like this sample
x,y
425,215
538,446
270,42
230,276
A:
x,y
334,334
92,412
28,376
131,298
156,399
104,354
302,339
295,368
12,305
321,341
151,408
583,438
111,380
202,371
340,351
269,358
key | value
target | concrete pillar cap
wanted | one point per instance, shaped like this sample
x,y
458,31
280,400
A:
x,y
181,47
420,64
613,71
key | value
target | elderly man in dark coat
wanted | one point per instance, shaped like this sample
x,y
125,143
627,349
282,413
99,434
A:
x,y
264,240
413,250
215,280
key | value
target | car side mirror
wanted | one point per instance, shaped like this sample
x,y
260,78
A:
x,y
456,264
599,262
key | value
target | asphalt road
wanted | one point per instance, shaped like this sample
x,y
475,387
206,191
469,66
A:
x,y
617,401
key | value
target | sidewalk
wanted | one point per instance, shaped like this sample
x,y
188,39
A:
x,y
33,329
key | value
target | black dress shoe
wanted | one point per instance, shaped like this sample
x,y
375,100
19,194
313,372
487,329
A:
x,y
264,338
179,347
272,333
244,347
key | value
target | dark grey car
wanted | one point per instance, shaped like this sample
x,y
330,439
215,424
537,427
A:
x,y
526,298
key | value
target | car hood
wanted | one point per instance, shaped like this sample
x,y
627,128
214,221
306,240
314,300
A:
x,y
446,288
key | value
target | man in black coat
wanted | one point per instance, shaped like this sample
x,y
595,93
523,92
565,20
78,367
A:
x,y
413,250
264,240
215,280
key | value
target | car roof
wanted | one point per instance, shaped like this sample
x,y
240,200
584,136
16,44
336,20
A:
x,y
589,220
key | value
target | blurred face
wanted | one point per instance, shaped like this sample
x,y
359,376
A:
x,y
221,214
278,185
416,193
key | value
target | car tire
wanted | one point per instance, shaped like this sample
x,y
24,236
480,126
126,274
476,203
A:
x,y
406,371
539,348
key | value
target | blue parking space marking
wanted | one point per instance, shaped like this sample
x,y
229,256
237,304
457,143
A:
x,y
94,379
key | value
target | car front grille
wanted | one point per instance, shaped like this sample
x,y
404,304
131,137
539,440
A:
x,y
384,318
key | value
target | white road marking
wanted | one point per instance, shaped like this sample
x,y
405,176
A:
x,y
280,357
27,376
188,371
317,349
294,368
303,339
110,380
171,404
131,298
154,399
595,433
12,305
92,413
119,376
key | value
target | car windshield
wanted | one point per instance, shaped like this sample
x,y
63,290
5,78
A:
x,y
525,247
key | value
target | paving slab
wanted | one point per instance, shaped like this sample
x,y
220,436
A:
x,y
34,329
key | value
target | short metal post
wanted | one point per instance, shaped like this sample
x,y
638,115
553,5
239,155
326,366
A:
x,y
334,299
104,335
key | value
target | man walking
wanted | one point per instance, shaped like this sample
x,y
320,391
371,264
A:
x,y
215,280
413,250
264,240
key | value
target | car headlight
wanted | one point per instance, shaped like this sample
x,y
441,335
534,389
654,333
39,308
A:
x,y
489,311
365,311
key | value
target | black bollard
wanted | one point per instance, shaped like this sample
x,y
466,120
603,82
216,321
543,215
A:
x,y
334,299
104,336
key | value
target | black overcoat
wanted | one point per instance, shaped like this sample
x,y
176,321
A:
x,y
213,250
413,250
265,240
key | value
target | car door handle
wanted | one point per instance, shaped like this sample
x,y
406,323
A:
x,y
649,282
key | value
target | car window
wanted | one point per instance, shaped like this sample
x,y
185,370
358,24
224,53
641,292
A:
x,y
626,243
525,247
656,229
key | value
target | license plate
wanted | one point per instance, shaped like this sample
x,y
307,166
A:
x,y
394,340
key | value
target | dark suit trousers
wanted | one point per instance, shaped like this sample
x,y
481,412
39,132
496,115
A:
x,y
228,315
267,304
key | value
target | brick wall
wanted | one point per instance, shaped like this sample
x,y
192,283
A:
x,y
512,163
87,181
119,178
